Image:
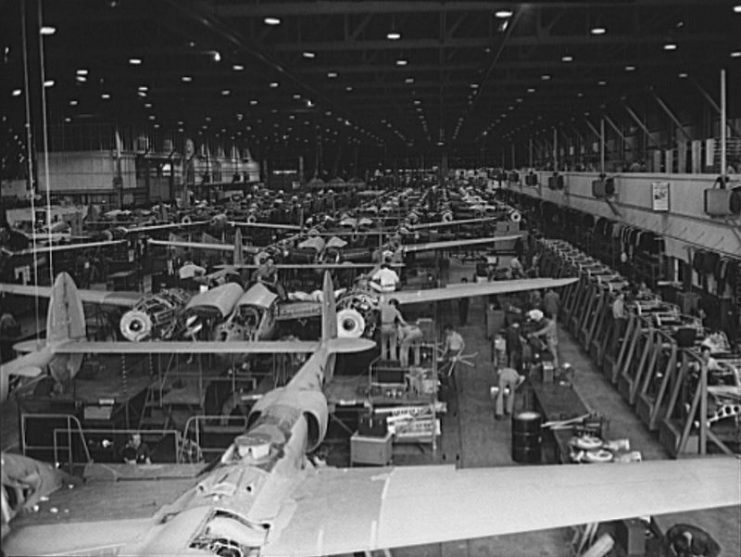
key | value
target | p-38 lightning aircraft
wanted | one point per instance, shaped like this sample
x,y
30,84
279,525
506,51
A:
x,y
233,314
266,496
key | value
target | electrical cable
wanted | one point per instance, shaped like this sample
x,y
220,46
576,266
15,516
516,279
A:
x,y
29,156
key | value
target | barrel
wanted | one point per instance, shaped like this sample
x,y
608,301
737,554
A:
x,y
526,437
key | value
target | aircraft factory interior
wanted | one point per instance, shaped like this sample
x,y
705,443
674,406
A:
x,y
370,278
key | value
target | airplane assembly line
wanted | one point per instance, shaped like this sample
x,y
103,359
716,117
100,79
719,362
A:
x,y
341,278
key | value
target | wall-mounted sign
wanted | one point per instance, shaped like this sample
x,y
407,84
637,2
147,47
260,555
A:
x,y
660,196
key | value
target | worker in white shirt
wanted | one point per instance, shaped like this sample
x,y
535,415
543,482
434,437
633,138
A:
x,y
620,320
550,333
385,279
453,347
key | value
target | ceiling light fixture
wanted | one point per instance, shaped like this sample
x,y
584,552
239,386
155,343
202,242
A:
x,y
393,36
545,77
737,8
186,79
531,90
598,30
331,75
17,92
47,30
272,21
401,62
409,80
147,105
567,58
238,67
601,83
81,78
105,96
682,75
736,54
49,83
81,71
216,55
143,88
670,46
348,88
274,84
503,14
630,68
73,102
309,54
253,102
226,92
135,61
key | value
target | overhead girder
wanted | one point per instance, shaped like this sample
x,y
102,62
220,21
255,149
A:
x,y
324,7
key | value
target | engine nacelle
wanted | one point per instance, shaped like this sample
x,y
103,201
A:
x,y
311,403
350,324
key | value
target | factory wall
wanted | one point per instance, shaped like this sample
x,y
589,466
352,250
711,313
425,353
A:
x,y
14,189
685,226
83,171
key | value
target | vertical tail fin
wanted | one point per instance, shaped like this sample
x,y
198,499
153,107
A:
x,y
238,251
65,321
329,309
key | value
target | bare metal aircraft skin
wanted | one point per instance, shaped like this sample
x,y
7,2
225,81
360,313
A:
x,y
266,496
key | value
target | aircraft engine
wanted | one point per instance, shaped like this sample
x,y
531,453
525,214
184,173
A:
x,y
515,216
350,324
136,325
153,317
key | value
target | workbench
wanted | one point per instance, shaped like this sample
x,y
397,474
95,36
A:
x,y
556,403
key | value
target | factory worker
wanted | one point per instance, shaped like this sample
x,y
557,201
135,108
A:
x,y
549,332
391,320
385,279
509,380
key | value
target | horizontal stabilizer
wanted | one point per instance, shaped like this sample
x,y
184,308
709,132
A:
x,y
187,347
350,345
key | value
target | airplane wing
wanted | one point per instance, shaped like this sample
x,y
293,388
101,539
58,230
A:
x,y
317,266
168,226
103,297
267,225
465,290
66,247
442,224
448,244
413,505
338,345
201,245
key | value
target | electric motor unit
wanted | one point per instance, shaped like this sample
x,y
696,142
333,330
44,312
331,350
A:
x,y
604,187
723,202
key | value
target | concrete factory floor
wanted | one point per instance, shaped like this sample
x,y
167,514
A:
x,y
471,437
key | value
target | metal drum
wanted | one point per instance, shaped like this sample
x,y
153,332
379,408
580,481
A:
x,y
526,437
